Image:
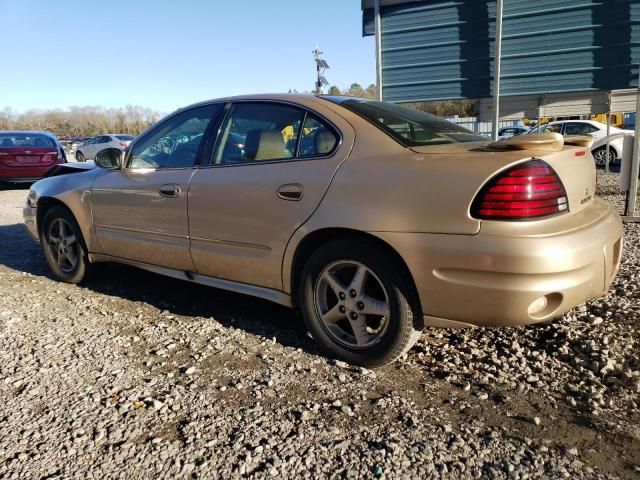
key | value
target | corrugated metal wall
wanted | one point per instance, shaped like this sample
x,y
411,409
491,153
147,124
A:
x,y
443,49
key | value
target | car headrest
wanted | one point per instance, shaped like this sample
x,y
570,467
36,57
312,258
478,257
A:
x,y
324,141
265,145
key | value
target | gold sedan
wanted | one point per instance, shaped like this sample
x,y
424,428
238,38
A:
x,y
374,220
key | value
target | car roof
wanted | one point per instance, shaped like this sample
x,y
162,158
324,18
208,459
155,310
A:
x,y
590,122
258,96
29,132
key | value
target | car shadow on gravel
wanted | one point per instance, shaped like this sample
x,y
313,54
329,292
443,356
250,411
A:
x,y
15,186
253,315
178,297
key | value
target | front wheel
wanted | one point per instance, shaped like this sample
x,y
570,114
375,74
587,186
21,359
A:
x,y
356,304
63,246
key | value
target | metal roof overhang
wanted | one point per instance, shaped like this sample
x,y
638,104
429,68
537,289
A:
x,y
443,49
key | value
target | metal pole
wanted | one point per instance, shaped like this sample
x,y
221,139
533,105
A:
x,y
635,165
606,158
378,27
496,70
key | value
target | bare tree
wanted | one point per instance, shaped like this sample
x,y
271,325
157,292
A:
x,y
462,108
81,121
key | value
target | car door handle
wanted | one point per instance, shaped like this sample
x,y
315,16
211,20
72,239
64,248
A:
x,y
170,190
290,191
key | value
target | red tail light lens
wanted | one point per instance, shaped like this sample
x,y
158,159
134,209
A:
x,y
528,190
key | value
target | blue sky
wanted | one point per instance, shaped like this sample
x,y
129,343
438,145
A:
x,y
166,54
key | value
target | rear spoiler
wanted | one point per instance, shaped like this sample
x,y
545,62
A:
x,y
545,142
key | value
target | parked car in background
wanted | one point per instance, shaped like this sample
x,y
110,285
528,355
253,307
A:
x,y
89,148
26,156
593,129
508,132
75,142
373,219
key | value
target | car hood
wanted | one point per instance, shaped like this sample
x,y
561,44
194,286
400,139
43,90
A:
x,y
66,168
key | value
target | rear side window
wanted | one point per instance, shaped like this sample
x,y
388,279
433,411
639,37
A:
x,y
26,140
409,127
317,138
175,142
255,132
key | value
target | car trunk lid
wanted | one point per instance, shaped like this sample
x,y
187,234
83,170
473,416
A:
x,y
28,156
570,158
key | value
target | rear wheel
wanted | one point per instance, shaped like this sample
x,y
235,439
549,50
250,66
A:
x,y
63,245
80,157
600,156
355,304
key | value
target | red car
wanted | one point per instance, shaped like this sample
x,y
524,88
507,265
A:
x,y
27,156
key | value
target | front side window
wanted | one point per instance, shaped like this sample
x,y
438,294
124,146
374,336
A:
x,y
411,128
175,142
555,128
255,132
579,129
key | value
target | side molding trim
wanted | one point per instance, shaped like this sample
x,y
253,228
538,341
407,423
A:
x,y
269,294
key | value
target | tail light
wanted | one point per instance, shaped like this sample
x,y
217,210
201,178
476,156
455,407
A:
x,y
123,144
527,190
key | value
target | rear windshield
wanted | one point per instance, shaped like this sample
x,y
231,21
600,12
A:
x,y
410,127
124,137
8,139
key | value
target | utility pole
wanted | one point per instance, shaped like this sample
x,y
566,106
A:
x,y
496,71
321,66
378,24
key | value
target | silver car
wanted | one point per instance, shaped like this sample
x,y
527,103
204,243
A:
x,y
88,150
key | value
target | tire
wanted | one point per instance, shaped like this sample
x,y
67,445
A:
x,y
600,155
389,323
80,157
61,247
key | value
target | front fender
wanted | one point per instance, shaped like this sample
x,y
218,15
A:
x,y
72,191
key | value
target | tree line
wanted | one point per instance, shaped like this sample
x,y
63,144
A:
x,y
133,119
462,108
81,121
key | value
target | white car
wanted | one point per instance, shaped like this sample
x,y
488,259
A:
x,y
88,150
594,129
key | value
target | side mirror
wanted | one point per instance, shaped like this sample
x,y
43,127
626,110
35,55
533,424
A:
x,y
109,158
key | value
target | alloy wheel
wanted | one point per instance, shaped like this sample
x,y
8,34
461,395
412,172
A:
x,y
63,245
600,157
352,304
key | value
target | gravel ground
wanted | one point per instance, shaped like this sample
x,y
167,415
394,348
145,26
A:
x,y
138,376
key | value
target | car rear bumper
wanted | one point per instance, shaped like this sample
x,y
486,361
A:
x,y
492,280
30,216
23,174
